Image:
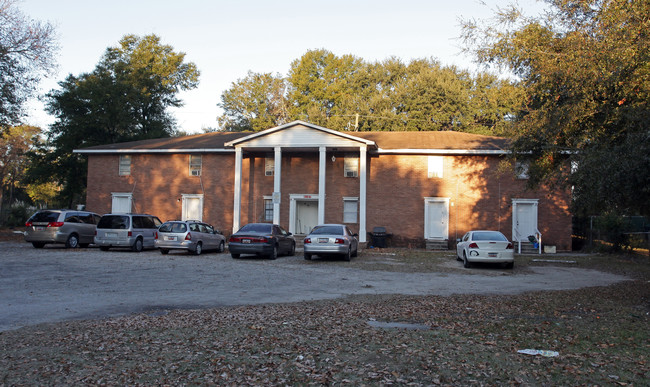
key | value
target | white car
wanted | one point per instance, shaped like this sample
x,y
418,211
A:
x,y
485,246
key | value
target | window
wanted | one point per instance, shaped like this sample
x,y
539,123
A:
x,y
125,165
351,166
192,207
195,165
269,166
350,206
268,209
435,167
121,203
521,170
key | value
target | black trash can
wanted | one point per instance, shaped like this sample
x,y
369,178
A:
x,y
379,237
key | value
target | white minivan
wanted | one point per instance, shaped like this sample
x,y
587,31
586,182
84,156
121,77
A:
x,y
135,231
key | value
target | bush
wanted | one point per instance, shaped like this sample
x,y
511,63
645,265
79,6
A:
x,y
18,214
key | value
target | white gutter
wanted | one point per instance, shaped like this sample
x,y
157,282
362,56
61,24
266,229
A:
x,y
199,150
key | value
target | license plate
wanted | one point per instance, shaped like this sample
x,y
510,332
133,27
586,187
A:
x,y
170,238
493,255
111,235
39,228
323,240
245,241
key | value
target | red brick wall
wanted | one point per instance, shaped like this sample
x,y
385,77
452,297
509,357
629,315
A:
x,y
480,196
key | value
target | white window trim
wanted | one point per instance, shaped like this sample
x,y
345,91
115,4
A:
x,y
196,167
127,195
184,205
265,198
269,166
436,167
351,166
121,170
356,209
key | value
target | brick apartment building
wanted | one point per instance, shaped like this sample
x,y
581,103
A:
x,y
422,186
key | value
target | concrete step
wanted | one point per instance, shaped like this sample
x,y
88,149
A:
x,y
526,248
437,244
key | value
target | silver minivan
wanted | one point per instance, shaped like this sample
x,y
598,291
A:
x,y
191,235
70,227
135,231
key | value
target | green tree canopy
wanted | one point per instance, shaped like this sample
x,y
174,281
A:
x,y
346,92
584,66
124,98
27,50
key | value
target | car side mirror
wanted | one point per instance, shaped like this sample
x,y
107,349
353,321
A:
x,y
458,240
355,235
289,234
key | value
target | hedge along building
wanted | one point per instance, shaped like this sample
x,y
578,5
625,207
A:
x,y
422,186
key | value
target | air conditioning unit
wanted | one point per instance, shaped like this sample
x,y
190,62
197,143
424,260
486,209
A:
x,y
350,174
268,173
196,172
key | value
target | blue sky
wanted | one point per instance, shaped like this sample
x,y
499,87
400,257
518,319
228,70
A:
x,y
228,38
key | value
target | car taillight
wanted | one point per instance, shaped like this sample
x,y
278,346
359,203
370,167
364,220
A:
x,y
307,240
339,241
234,239
28,224
130,233
188,237
55,224
155,235
473,245
260,240
509,246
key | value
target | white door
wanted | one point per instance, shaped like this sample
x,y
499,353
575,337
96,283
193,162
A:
x,y
121,203
192,207
436,221
306,216
524,219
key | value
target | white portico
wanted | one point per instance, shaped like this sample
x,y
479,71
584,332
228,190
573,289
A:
x,y
299,136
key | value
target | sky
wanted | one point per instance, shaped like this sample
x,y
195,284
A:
x,y
228,38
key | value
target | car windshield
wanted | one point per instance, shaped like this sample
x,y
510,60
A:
x,y
173,227
119,222
45,216
488,236
257,228
329,230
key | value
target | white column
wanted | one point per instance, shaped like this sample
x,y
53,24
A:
x,y
362,193
277,178
322,163
236,212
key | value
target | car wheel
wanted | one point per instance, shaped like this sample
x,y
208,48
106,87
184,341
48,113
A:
x,y
164,251
222,247
292,251
137,245
104,248
72,242
235,256
466,263
198,249
356,251
347,255
308,256
274,253
38,245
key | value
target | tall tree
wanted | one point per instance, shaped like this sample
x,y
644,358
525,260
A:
x,y
27,50
586,71
15,142
254,103
125,98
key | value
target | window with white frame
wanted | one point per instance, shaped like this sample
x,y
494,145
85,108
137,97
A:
x,y
125,165
268,209
435,167
521,170
121,202
269,166
351,166
196,161
350,210
192,207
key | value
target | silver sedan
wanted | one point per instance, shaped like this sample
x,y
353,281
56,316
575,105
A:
x,y
331,239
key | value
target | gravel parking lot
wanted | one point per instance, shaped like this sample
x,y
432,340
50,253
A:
x,y
56,284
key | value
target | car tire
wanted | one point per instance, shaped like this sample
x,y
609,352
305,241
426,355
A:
x,y
308,256
222,247
274,253
72,242
356,252
137,245
292,250
346,256
235,256
104,248
38,245
164,251
198,249
466,263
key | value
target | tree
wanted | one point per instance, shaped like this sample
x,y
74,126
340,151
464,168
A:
x,y
585,68
26,54
254,103
14,144
125,98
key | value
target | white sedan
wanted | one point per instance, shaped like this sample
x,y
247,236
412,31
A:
x,y
485,246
